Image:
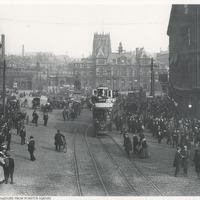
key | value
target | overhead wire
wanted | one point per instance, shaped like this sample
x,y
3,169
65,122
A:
x,y
77,23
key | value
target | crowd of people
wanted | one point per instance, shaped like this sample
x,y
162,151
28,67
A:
x,y
71,111
16,119
133,119
158,116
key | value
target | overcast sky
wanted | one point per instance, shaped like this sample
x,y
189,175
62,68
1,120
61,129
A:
x,y
69,28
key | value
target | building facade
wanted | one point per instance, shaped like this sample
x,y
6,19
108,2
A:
x,y
184,68
118,70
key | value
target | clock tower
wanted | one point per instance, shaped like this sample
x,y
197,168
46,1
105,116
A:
x,y
101,46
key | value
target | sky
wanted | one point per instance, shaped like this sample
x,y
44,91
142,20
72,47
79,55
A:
x,y
68,29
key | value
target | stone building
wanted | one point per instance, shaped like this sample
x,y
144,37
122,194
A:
x,y
117,70
184,55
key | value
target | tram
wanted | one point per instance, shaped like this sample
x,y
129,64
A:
x,y
103,102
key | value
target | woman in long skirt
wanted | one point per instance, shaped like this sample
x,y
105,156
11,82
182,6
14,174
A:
x,y
144,152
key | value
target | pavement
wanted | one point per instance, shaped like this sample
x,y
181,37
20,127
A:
x,y
159,167
52,174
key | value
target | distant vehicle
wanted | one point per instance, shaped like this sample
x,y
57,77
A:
x,y
36,102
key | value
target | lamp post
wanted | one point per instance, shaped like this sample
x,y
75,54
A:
x,y
3,63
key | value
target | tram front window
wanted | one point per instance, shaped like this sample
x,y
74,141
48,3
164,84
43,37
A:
x,y
102,115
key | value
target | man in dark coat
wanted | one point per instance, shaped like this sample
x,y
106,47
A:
x,y
58,140
197,163
127,144
177,161
45,118
64,113
23,135
8,168
11,168
8,138
31,148
36,119
19,126
135,143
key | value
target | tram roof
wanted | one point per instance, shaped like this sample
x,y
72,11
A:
x,y
102,108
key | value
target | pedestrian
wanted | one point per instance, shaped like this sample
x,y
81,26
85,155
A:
x,y
45,118
58,140
127,144
159,134
6,169
64,144
135,143
23,135
2,163
8,138
11,167
27,119
73,114
1,138
177,161
123,131
31,148
185,159
144,153
64,114
36,119
175,138
18,126
169,134
33,115
197,163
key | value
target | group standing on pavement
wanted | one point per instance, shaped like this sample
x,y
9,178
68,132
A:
x,y
159,116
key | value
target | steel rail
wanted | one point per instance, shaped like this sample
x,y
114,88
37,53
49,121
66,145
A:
x,y
75,163
118,168
94,162
139,170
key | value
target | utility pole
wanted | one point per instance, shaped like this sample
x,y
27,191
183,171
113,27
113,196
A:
x,y
37,68
139,75
3,63
152,92
197,47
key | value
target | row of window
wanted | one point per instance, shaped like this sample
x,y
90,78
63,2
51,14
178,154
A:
x,y
123,84
121,72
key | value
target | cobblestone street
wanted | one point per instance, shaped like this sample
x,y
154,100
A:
x,y
52,173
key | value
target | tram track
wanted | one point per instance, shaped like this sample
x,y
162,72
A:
x,y
93,160
113,178
119,169
151,185
88,178
75,162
